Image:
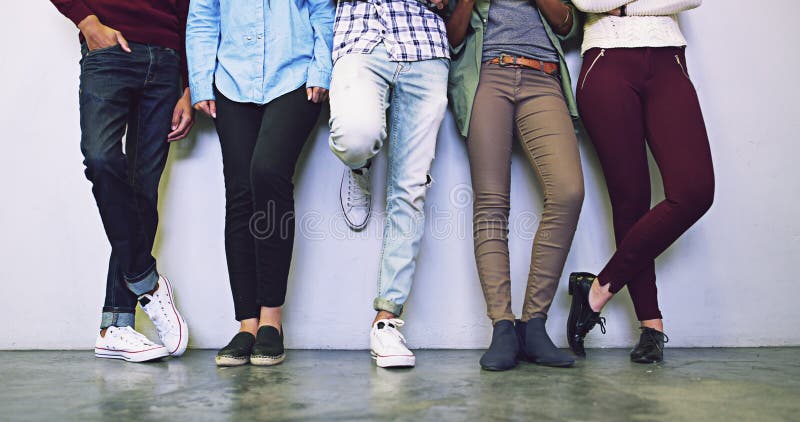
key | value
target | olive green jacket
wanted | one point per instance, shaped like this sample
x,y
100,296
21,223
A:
x,y
466,58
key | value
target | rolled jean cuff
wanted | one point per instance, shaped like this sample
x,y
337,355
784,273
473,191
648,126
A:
x,y
504,318
144,282
540,315
381,304
117,319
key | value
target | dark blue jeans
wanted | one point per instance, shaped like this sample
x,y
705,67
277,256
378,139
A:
x,y
136,92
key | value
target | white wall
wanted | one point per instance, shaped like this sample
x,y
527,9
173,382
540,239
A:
x,y
727,282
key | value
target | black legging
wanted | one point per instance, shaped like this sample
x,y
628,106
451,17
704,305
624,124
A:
x,y
260,147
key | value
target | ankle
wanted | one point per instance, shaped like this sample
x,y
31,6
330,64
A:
x,y
249,326
366,166
275,325
599,295
252,331
271,317
656,324
103,332
383,315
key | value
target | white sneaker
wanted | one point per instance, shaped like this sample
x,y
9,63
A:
x,y
388,346
355,198
127,344
171,327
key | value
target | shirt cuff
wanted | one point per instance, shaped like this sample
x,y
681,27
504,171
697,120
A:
x,y
573,32
317,77
201,91
454,50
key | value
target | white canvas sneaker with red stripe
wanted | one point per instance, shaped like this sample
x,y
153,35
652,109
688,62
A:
x,y
127,344
388,346
170,325
355,198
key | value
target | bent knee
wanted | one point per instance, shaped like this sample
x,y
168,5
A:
x,y
355,142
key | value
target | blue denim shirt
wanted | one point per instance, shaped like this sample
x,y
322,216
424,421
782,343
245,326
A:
x,y
257,50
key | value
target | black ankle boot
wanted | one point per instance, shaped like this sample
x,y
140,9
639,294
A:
x,y
650,348
581,316
502,353
536,346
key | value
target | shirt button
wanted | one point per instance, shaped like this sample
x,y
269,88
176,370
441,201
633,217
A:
x,y
248,38
260,36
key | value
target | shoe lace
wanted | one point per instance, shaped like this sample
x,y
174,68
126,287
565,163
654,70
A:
x,y
601,321
161,318
356,195
132,337
390,328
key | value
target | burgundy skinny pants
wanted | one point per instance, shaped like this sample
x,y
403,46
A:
x,y
631,98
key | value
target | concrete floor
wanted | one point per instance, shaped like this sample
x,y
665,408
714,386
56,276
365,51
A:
x,y
694,384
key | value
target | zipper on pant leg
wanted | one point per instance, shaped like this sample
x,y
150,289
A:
x,y
678,60
586,76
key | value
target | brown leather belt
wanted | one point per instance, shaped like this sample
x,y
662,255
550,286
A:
x,y
513,61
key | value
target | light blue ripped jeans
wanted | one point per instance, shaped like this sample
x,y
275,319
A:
x,y
363,88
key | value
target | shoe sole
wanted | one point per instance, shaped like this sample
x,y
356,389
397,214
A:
x,y
183,342
135,357
646,361
556,364
400,361
354,227
497,368
231,361
267,360
525,358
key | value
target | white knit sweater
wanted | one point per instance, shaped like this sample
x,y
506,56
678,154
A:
x,y
650,23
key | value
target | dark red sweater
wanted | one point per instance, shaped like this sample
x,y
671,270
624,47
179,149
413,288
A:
x,y
155,22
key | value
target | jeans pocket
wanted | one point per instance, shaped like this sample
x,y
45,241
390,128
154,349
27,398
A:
x,y
100,76
170,51
101,50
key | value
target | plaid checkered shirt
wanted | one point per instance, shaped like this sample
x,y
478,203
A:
x,y
410,29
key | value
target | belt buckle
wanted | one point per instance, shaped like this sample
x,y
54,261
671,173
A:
x,y
504,64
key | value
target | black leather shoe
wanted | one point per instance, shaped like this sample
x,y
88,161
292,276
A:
x,y
536,346
237,352
268,349
581,316
650,348
502,353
